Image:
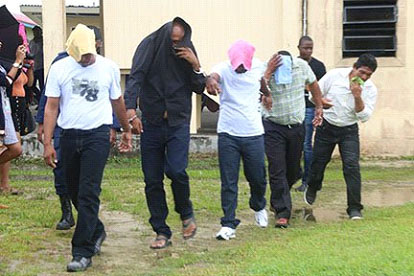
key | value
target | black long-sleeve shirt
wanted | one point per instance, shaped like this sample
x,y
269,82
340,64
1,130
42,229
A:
x,y
161,80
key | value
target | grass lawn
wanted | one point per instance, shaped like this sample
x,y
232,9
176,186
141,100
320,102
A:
x,y
381,244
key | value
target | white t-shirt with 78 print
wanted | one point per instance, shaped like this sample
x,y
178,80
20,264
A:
x,y
84,92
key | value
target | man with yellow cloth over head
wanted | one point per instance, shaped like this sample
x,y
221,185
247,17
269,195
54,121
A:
x,y
85,87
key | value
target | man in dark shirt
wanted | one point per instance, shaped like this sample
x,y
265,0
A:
x,y
305,52
165,71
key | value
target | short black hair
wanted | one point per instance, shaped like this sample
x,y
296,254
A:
x,y
285,53
304,38
367,60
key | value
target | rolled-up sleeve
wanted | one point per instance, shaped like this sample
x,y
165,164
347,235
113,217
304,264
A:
x,y
370,99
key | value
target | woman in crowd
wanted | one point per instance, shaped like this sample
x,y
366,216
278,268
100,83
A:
x,y
10,139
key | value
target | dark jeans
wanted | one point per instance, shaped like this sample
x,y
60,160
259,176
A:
x,y
164,149
60,185
283,146
84,155
251,150
39,76
307,145
347,138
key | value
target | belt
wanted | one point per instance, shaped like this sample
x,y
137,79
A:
x,y
288,126
293,125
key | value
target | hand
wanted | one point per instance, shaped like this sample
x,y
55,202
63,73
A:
x,y
212,86
30,62
126,142
356,89
40,133
267,102
49,155
112,136
274,62
188,54
20,53
318,119
136,124
326,103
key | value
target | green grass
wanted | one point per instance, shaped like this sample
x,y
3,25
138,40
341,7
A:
x,y
381,244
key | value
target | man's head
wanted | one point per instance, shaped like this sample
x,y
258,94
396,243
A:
x,y
241,56
305,47
364,67
81,45
37,32
177,33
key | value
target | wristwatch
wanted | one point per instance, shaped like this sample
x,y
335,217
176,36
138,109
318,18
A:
x,y
17,65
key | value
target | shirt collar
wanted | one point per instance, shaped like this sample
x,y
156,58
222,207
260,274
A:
x,y
345,72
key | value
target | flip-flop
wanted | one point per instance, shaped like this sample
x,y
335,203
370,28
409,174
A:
x,y
161,238
186,225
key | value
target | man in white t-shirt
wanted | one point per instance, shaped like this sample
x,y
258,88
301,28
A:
x,y
353,96
85,87
240,132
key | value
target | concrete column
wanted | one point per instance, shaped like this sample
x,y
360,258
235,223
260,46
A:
x,y
195,123
54,29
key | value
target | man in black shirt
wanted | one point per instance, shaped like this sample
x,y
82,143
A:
x,y
165,71
305,52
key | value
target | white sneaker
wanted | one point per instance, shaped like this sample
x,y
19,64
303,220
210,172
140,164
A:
x,y
261,218
226,233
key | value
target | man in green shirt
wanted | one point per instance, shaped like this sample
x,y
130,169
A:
x,y
284,129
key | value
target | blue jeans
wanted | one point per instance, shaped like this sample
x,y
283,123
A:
x,y
164,149
347,138
251,150
60,185
84,155
307,145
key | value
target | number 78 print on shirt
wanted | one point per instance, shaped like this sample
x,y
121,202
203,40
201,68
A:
x,y
86,88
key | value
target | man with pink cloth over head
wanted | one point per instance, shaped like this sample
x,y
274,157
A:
x,y
240,131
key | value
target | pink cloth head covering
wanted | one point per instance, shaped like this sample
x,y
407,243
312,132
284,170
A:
x,y
241,52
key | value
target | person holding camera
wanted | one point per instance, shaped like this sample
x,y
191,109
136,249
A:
x,y
10,139
18,107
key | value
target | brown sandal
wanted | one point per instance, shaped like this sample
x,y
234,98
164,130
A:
x,y
166,240
189,228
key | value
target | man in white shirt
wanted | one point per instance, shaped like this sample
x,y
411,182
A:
x,y
240,132
85,87
352,96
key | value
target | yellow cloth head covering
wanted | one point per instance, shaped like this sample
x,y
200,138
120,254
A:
x,y
81,41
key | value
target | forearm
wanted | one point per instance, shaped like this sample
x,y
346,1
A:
x,y
49,123
316,94
30,77
118,106
264,86
359,104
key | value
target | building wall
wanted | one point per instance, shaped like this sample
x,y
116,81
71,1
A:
x,y
272,25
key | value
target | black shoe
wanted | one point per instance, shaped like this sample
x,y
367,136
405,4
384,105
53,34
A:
x,y
79,263
98,243
301,188
309,196
355,215
67,221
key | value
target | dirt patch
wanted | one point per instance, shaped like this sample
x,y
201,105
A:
x,y
393,195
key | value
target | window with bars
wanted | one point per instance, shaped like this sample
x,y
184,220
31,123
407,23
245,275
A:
x,y
369,26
